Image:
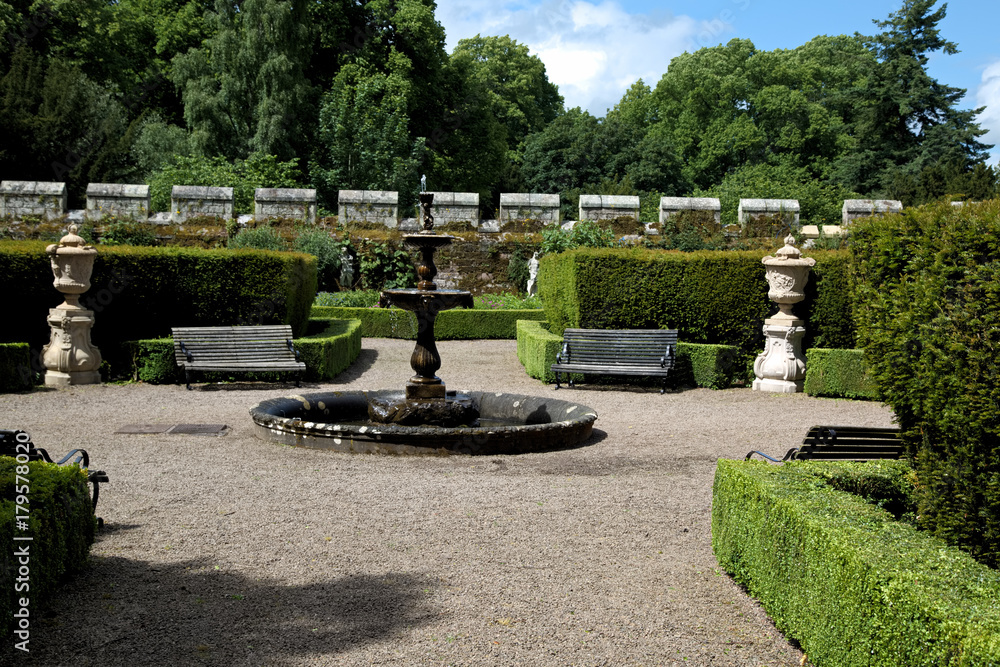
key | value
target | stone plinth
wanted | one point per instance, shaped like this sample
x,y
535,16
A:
x,y
41,198
670,206
117,199
188,201
815,231
751,209
296,203
609,207
379,206
516,206
455,207
864,208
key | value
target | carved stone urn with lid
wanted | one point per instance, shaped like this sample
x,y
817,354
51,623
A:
x,y
70,358
781,367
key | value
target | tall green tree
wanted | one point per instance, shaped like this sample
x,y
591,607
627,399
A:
x,y
564,156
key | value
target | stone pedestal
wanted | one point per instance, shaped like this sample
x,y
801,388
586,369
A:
x,y
70,358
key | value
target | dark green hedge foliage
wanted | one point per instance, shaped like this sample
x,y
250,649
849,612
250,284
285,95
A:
x,y
927,306
138,293
16,373
854,586
327,351
457,324
709,297
60,521
838,374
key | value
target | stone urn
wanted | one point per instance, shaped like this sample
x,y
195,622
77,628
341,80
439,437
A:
x,y
70,358
781,367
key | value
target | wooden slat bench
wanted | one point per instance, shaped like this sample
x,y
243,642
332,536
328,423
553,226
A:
x,y
844,443
640,352
240,349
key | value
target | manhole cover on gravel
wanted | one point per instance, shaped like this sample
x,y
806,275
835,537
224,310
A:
x,y
200,429
144,428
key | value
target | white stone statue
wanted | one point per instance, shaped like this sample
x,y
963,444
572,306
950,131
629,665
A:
x,y
533,275
346,268
423,183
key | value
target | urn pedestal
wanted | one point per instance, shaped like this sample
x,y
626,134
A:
x,y
781,367
70,358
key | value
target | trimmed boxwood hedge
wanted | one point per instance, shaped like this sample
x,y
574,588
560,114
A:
x,y
713,366
61,523
854,586
326,353
141,292
838,374
16,373
709,297
457,324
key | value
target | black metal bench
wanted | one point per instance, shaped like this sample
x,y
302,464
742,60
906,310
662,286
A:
x,y
844,443
243,349
14,446
637,352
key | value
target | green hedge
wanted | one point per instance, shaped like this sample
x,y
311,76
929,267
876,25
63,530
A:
x,y
326,353
15,367
141,292
713,366
838,374
927,302
61,523
457,324
843,577
710,297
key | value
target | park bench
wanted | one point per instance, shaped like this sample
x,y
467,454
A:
x,y
641,352
844,443
11,445
236,349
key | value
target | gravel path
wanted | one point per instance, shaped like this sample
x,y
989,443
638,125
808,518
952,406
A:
x,y
234,551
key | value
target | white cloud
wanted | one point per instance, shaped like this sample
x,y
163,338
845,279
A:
x,y
592,50
988,95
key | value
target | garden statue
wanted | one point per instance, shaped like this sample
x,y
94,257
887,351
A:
x,y
346,268
423,183
70,358
533,275
781,367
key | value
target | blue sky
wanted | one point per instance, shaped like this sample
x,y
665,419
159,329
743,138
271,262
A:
x,y
595,49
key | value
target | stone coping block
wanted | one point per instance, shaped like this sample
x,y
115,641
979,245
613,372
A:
x,y
296,203
671,205
864,208
122,200
754,207
529,206
369,206
609,207
43,198
188,201
454,207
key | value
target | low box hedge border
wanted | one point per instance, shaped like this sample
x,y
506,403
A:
x,y
15,367
457,324
838,374
842,576
699,365
61,524
326,354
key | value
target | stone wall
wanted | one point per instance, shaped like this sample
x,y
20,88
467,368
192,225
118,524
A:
x,y
188,201
296,203
863,208
454,207
672,205
118,200
524,206
41,198
609,207
750,209
379,206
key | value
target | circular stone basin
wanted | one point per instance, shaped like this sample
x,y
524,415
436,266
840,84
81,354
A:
x,y
509,424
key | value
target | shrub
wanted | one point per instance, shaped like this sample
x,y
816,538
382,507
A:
x,y
258,238
385,266
348,299
458,324
838,374
16,373
327,250
927,308
128,232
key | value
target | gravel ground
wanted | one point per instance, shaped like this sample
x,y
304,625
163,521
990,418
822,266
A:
x,y
230,550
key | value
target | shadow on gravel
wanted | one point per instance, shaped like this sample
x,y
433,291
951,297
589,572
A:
x,y
128,612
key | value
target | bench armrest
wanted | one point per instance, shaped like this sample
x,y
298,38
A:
x,y
186,352
563,357
668,357
288,341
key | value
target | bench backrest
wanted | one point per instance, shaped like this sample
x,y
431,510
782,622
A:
x,y
619,346
850,442
244,343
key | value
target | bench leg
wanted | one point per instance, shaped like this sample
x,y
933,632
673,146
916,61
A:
x,y
557,379
187,378
298,379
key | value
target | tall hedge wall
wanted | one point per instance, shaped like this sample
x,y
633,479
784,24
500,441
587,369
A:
x,y
141,292
710,297
927,302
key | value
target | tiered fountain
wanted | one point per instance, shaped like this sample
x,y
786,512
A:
x,y
425,418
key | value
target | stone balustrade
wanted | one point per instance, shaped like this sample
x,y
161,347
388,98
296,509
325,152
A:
x,y
295,203
117,199
670,206
41,198
751,209
609,207
379,206
455,207
863,208
188,201
524,206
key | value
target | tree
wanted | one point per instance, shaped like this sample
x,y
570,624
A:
x,y
564,155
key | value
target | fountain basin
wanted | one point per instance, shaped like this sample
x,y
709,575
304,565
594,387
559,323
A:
x,y
434,301
510,424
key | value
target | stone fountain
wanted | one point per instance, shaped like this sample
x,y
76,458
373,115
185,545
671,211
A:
x,y
424,418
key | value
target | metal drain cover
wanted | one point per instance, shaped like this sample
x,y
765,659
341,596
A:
x,y
200,429
144,428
